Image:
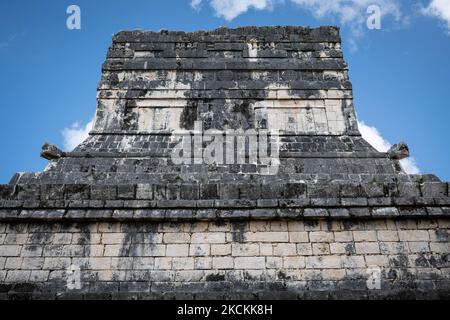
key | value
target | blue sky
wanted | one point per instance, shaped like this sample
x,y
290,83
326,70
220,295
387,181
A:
x,y
49,74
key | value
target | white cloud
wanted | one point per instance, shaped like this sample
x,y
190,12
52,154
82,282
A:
x,y
373,136
439,9
230,9
410,165
76,134
195,4
347,12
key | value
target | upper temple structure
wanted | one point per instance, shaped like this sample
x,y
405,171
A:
x,y
225,164
291,82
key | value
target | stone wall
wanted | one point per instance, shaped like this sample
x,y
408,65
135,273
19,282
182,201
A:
x,y
118,218
288,79
243,259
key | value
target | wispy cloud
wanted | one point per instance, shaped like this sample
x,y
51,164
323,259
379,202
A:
x,y
350,12
76,134
439,9
373,136
347,12
6,43
196,4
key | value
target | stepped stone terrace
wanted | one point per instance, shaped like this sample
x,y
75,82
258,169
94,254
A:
x,y
118,218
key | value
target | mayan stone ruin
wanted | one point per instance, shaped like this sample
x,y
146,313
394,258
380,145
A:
x,y
314,212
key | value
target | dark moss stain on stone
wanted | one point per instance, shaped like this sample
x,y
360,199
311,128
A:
x,y
354,284
442,235
219,223
398,279
432,260
400,260
141,93
84,239
282,276
130,117
126,250
40,238
114,79
5,287
243,115
138,240
408,281
423,261
349,225
40,227
32,248
17,227
311,223
220,114
189,115
247,276
215,277
238,231
24,287
350,249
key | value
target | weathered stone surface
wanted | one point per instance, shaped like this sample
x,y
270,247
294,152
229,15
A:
x,y
118,218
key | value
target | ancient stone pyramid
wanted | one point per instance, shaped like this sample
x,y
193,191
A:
x,y
119,217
